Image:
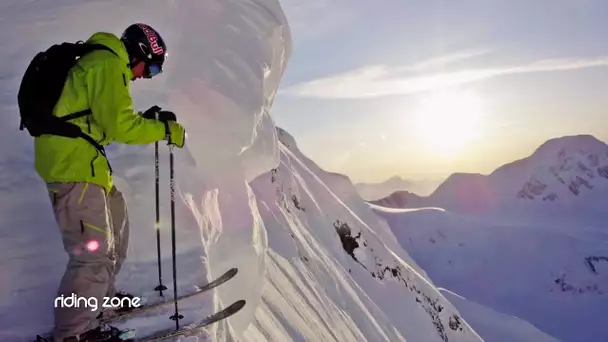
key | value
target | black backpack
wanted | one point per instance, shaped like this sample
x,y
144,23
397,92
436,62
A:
x,y
41,87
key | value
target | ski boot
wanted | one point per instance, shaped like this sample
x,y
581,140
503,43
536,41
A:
x,y
106,333
109,312
121,295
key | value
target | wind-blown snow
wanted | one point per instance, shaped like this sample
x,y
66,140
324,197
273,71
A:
x,y
315,263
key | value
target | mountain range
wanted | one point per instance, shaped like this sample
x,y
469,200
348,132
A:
x,y
374,191
569,172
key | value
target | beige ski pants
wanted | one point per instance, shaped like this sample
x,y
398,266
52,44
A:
x,y
95,230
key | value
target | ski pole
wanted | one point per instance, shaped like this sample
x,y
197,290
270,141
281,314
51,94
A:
x,y
177,316
160,286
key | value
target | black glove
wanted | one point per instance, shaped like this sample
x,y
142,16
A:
x,y
151,113
156,113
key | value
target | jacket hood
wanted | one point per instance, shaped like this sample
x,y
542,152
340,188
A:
x,y
113,42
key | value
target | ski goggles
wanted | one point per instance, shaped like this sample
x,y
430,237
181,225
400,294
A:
x,y
153,69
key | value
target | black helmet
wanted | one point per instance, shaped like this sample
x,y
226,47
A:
x,y
145,44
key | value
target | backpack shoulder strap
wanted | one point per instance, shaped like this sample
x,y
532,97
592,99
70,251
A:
x,y
94,46
76,115
84,48
87,48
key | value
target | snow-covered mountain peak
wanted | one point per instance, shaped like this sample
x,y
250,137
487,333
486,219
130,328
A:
x,y
560,169
569,145
398,199
374,191
395,179
459,182
461,177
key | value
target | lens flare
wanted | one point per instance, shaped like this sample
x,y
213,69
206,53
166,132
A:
x,y
93,245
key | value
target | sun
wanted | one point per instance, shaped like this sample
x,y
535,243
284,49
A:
x,y
446,121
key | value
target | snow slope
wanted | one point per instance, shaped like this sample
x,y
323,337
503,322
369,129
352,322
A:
x,y
550,273
494,326
344,248
315,263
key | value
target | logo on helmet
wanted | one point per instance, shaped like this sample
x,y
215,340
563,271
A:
x,y
153,39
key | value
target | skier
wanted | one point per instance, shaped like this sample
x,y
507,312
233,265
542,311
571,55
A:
x,y
90,211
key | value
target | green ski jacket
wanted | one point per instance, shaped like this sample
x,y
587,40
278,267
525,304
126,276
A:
x,y
99,82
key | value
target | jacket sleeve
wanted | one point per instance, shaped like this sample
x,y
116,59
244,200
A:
x,y
112,106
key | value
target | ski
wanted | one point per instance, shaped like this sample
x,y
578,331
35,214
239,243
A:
x,y
146,307
149,306
194,328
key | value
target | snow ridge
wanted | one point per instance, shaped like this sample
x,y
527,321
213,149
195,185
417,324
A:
x,y
329,237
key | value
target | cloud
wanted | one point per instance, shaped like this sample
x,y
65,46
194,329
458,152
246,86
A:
x,y
443,60
379,80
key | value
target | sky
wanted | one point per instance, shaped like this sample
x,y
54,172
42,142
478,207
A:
x,y
423,89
